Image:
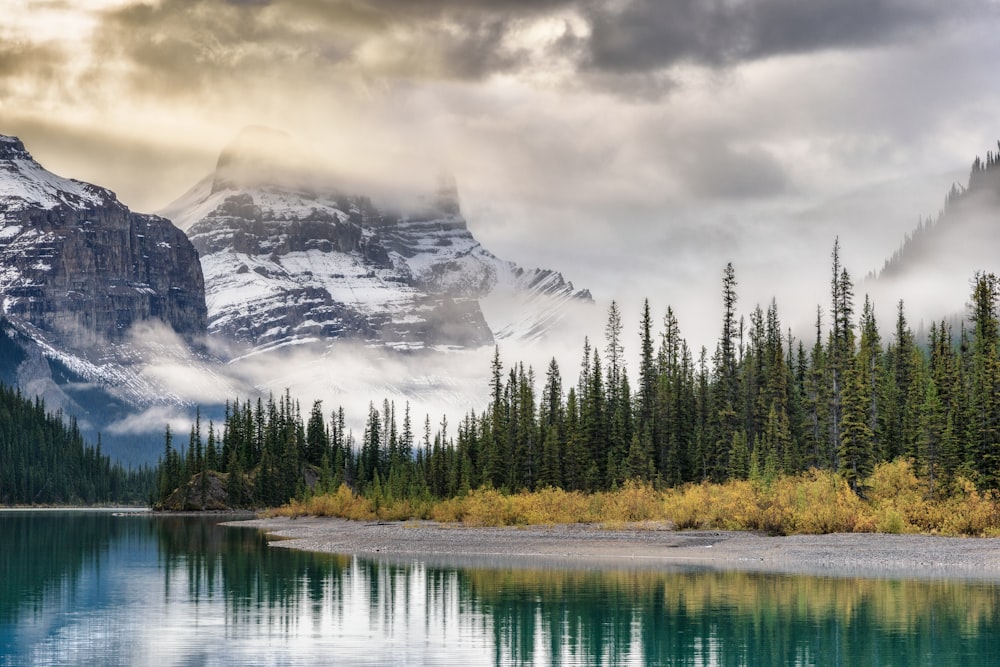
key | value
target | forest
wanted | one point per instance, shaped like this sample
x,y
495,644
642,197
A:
x,y
761,406
45,461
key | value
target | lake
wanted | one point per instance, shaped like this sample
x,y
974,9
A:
x,y
89,587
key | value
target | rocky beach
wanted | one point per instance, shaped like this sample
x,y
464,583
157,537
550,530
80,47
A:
x,y
643,546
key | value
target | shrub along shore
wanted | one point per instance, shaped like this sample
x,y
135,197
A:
x,y
813,502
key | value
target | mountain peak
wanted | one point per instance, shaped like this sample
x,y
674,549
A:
x,y
12,148
446,194
26,184
260,156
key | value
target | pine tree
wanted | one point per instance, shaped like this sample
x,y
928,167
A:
x,y
855,452
870,368
169,473
841,344
317,442
933,434
985,380
577,461
594,425
496,463
211,449
723,416
739,457
816,404
898,388
647,375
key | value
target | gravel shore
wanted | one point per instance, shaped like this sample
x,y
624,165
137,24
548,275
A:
x,y
642,546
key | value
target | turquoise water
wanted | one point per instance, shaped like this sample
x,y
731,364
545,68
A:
x,y
90,588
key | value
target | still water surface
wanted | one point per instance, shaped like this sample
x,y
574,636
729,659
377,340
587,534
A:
x,y
90,588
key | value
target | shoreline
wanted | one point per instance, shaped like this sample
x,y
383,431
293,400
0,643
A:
x,y
872,555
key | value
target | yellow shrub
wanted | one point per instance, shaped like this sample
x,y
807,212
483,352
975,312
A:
x,y
551,506
687,506
633,502
813,502
487,507
342,503
970,512
447,511
897,499
736,505
403,509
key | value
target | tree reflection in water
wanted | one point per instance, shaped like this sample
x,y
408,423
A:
x,y
309,605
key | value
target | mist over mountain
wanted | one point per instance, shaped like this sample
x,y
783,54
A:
x,y
289,260
286,282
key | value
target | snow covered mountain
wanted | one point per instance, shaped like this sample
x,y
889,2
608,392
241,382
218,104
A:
x,y
112,316
80,274
82,268
290,262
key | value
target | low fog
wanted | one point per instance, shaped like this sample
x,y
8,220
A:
x,y
339,373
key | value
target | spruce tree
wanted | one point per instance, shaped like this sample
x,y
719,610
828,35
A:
x,y
933,435
855,452
985,380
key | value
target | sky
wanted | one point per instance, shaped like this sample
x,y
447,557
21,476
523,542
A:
x,y
635,145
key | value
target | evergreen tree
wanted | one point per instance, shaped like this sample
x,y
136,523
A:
x,y
841,344
870,368
317,442
855,453
934,431
723,415
647,375
169,466
739,457
496,455
985,380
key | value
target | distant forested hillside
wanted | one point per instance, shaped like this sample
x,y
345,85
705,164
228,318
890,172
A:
x,y
962,238
45,461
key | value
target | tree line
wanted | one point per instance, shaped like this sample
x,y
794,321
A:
x,y
760,405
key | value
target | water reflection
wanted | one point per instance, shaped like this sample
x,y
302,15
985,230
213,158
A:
x,y
93,588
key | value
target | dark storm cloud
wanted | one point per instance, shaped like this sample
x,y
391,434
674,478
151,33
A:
x,y
652,34
189,45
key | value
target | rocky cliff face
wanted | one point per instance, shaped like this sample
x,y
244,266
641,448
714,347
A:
x,y
288,263
80,274
78,266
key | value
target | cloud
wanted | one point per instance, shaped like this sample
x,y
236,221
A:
x,y
642,35
663,136
190,48
152,421
26,64
184,47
